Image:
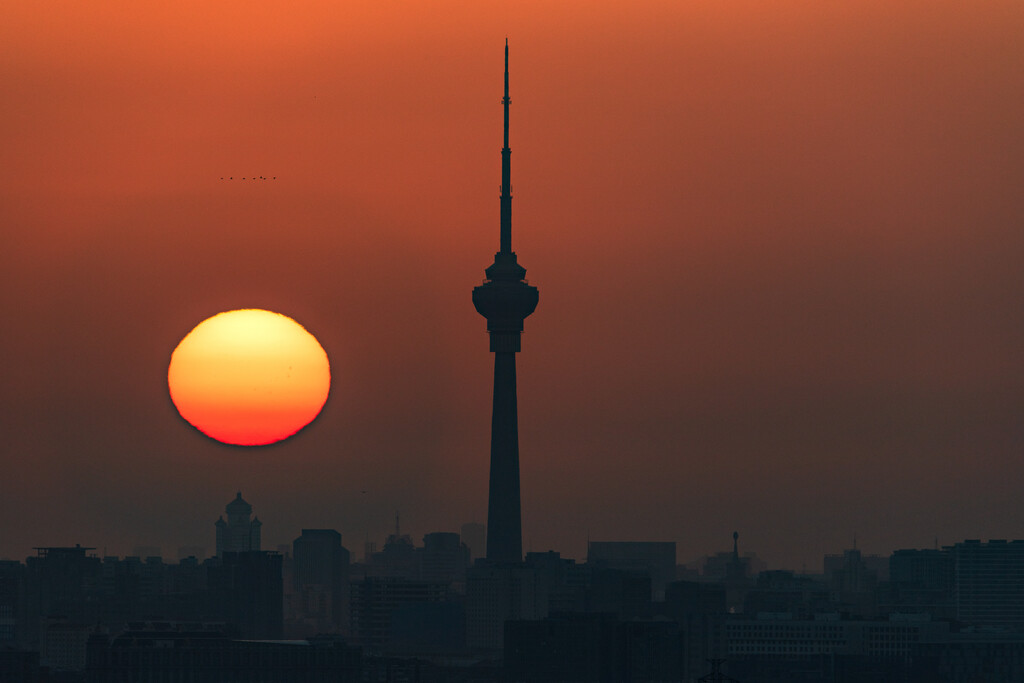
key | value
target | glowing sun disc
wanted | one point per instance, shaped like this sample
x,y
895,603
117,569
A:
x,y
249,377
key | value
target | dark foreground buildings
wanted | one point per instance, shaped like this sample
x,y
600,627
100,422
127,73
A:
x,y
173,653
69,616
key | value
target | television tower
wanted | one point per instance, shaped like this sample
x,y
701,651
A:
x,y
505,299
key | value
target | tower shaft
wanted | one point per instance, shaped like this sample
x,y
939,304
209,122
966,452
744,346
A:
x,y
504,513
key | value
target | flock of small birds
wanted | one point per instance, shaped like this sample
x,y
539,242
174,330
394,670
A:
x,y
250,178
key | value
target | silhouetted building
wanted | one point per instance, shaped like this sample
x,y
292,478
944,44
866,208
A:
x,y
731,567
683,598
63,644
505,299
61,582
700,611
775,647
429,628
781,590
576,647
130,588
734,571
375,599
165,652
853,580
318,556
989,588
239,534
443,559
969,657
12,602
17,665
247,590
656,560
320,580
496,593
847,572
626,594
922,581
562,583
592,648
188,576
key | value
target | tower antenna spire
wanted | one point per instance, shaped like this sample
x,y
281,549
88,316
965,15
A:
x,y
506,173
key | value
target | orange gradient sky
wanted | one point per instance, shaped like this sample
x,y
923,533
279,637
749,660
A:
x,y
777,244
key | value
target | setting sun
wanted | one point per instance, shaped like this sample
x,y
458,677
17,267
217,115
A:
x,y
249,377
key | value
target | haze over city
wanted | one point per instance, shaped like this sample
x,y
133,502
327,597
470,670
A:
x,y
778,246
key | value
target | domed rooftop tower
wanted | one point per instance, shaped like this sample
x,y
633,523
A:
x,y
240,533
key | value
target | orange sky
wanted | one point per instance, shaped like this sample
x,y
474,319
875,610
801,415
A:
x,y
777,247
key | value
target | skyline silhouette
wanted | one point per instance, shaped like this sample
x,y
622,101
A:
x,y
779,247
310,611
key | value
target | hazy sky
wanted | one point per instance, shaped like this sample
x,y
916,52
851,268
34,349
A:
x,y
778,247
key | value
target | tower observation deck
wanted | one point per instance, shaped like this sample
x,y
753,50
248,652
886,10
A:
x,y
505,299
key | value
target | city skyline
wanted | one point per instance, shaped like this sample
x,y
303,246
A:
x,y
779,248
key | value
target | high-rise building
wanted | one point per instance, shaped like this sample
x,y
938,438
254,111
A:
x,y
321,578
505,299
497,592
12,601
319,558
376,598
247,589
922,581
62,581
989,588
63,644
443,558
654,559
239,534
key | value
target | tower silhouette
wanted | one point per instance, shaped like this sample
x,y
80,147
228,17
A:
x,y
505,299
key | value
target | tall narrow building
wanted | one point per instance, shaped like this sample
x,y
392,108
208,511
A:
x,y
505,299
